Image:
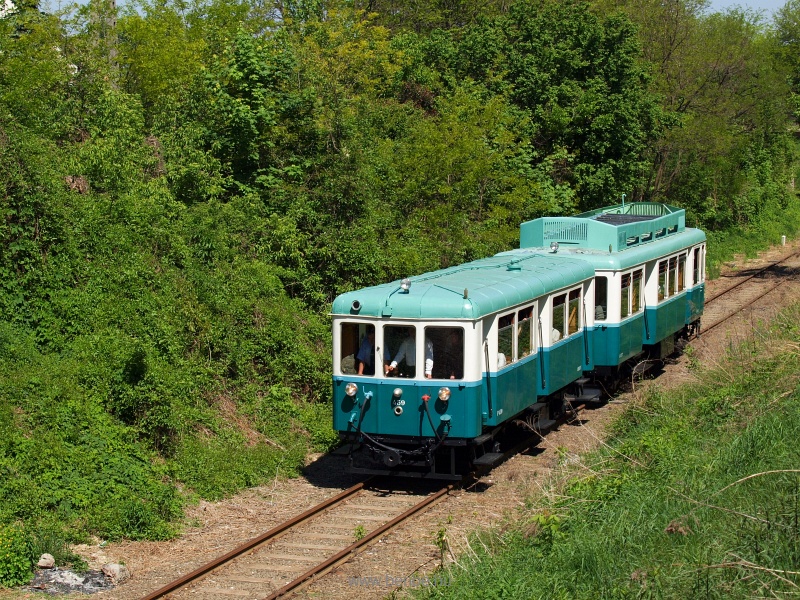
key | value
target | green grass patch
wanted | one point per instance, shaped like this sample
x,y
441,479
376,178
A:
x,y
698,495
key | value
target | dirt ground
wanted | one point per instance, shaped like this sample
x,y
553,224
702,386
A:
x,y
411,550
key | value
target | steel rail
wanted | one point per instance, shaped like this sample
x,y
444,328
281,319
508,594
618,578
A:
x,y
255,542
754,275
708,328
343,555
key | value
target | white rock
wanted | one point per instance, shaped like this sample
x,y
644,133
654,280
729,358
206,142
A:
x,y
46,561
116,572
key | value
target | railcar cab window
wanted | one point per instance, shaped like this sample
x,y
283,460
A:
x,y
357,349
566,315
448,352
403,352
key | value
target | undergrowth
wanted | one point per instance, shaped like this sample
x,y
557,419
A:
x,y
696,496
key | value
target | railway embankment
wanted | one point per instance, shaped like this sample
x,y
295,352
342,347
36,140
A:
x,y
696,491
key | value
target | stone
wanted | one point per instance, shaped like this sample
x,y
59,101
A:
x,y
116,572
46,561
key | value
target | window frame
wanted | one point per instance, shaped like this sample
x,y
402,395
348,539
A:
x,y
565,317
630,304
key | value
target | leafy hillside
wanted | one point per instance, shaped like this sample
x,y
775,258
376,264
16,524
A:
x,y
185,186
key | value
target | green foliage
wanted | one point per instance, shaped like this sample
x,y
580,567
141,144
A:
x,y
16,558
359,532
158,53
217,468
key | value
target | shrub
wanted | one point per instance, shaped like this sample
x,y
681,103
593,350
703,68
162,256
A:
x,y
16,557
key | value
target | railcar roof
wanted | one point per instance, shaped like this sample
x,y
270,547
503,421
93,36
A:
x,y
630,257
468,291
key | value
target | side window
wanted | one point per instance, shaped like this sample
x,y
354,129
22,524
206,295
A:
x,y
574,321
625,289
662,280
505,340
698,266
703,263
448,352
559,306
681,272
636,291
525,332
673,275
600,298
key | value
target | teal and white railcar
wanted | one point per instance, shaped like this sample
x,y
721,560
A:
x,y
428,370
649,287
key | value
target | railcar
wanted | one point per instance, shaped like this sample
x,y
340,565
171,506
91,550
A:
x,y
428,371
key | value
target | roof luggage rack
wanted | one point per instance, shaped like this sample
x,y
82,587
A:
x,y
612,229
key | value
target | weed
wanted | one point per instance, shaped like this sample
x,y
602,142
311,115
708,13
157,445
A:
x,y
441,540
359,532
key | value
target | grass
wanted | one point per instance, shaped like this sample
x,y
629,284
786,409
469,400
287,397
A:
x,y
696,496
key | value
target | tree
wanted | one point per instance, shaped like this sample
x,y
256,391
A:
x,y
158,54
787,24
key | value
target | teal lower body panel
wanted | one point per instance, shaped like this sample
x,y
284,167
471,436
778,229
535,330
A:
x,y
460,417
695,298
664,319
564,363
616,343
512,390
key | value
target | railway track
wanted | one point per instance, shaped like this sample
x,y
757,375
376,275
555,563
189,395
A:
x,y
302,549
296,553
725,304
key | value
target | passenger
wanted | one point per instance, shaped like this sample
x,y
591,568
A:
x,y
408,351
555,336
366,353
599,313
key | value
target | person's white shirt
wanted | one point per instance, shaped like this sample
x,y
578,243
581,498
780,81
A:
x,y
408,351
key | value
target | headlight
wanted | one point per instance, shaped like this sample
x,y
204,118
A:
x,y
444,394
351,389
397,392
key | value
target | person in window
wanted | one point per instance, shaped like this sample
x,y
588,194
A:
x,y
366,354
408,351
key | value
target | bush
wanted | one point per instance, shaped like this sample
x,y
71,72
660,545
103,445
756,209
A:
x,y
16,556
